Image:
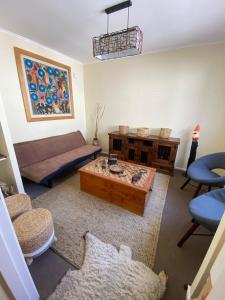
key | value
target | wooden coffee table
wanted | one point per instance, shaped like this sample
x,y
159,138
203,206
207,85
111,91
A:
x,y
118,188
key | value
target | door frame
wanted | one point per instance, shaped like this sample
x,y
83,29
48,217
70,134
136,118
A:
x,y
214,249
12,263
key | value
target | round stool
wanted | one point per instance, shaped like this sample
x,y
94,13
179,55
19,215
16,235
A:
x,y
18,204
35,232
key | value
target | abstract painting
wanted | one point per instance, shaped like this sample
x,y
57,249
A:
x,y
46,87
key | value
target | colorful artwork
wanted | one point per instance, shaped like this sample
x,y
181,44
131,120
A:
x,y
46,87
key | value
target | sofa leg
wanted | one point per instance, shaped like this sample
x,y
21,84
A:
x,y
188,234
49,183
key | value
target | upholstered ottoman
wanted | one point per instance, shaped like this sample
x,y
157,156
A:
x,y
35,232
17,205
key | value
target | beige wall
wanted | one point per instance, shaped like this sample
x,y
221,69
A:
x,y
20,129
175,89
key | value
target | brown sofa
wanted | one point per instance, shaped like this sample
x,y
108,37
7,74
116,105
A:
x,y
41,160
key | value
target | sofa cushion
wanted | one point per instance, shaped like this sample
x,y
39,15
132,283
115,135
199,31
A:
x,y
35,151
40,170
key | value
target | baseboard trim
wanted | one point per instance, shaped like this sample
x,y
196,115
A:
x,y
180,169
103,153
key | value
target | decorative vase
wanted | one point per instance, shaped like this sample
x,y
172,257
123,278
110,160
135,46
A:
x,y
123,129
95,142
143,131
165,133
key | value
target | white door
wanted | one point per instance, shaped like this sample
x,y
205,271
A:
x,y
12,264
212,265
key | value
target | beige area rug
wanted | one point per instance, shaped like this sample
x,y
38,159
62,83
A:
x,y
75,212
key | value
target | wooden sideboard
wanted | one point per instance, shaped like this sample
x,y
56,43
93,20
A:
x,y
151,151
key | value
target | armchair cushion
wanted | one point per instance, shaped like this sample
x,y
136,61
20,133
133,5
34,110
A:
x,y
208,208
201,170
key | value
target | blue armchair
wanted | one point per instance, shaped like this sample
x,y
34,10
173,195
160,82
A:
x,y
201,171
206,210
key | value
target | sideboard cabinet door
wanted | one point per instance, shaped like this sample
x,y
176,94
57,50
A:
x,y
163,153
117,145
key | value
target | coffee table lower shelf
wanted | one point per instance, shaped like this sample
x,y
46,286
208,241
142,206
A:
x,y
125,196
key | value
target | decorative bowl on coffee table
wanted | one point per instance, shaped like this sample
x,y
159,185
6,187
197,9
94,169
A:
x,y
116,169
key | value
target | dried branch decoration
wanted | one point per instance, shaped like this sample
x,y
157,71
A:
x,y
99,115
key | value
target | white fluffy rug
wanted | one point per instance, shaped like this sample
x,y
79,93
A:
x,y
108,274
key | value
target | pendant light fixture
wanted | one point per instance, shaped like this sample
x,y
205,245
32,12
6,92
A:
x,y
126,42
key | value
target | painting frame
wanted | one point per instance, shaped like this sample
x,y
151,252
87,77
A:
x,y
27,101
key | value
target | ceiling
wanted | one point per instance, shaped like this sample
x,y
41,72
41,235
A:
x,y
68,26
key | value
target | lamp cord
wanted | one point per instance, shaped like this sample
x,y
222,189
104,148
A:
x,y
128,17
107,23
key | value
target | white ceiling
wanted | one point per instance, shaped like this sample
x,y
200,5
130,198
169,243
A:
x,y
68,25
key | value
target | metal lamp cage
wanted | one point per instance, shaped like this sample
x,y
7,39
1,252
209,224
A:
x,y
118,44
